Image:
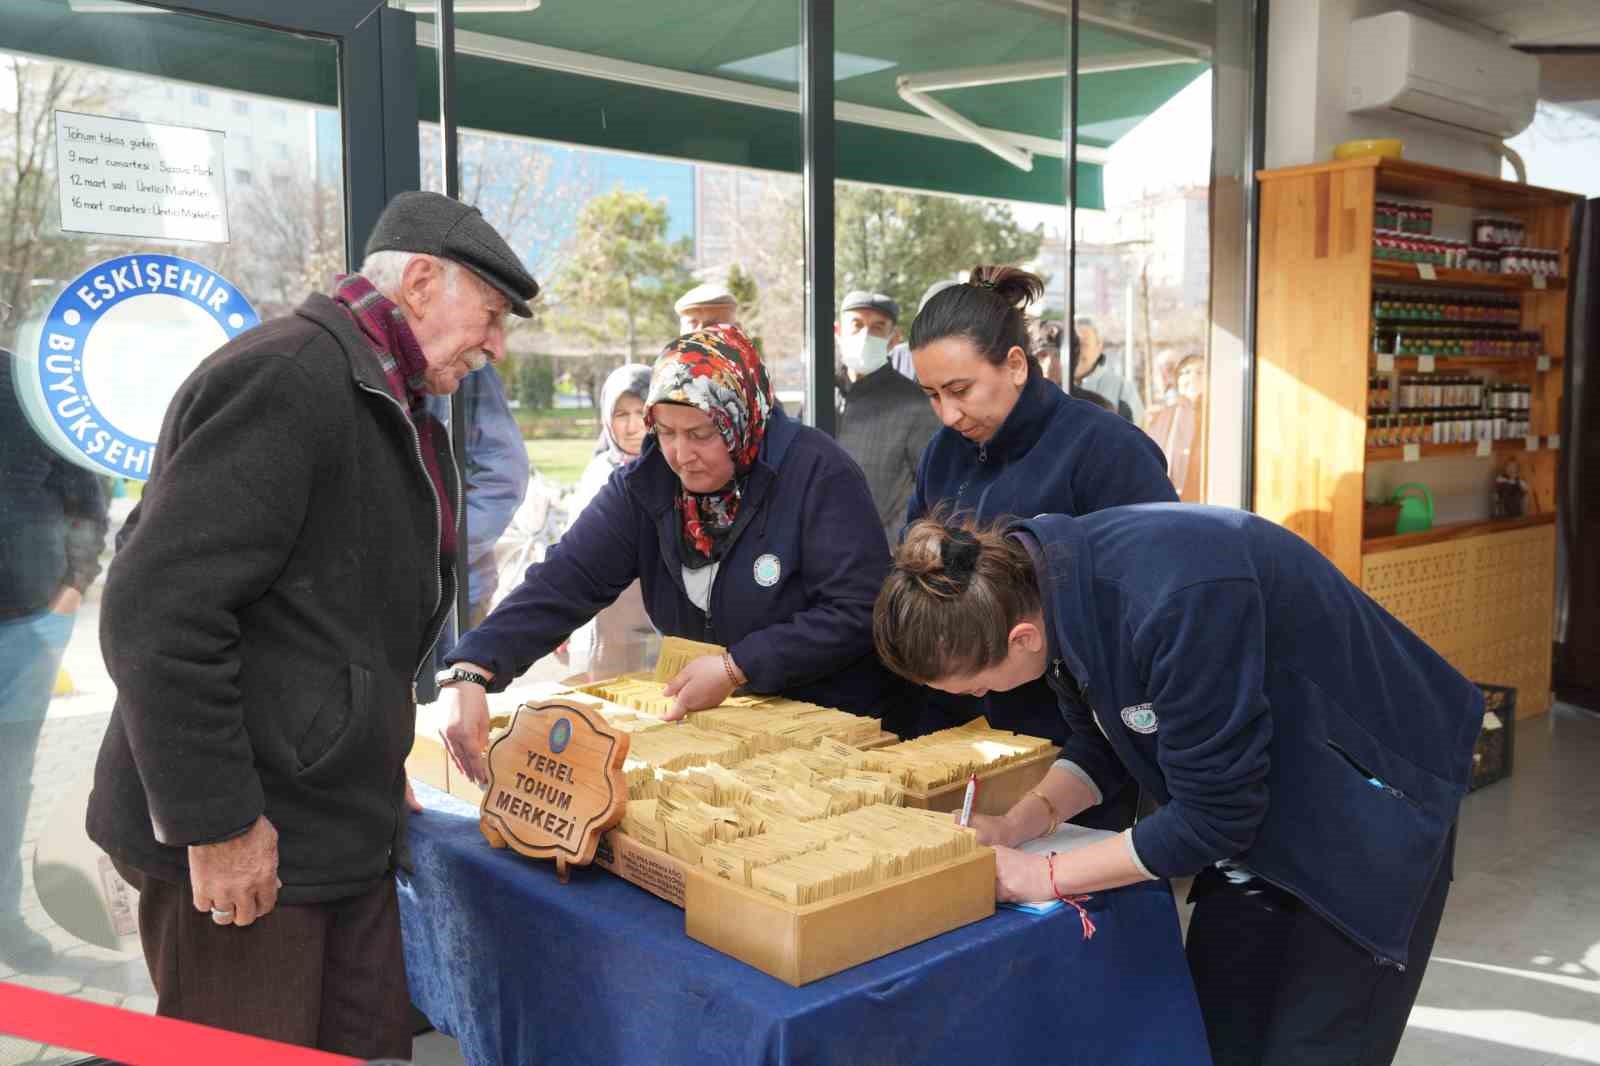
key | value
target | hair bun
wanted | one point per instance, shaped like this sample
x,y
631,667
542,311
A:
x,y
959,554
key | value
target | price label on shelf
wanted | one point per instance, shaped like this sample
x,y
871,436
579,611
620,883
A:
x,y
1485,446
1553,442
1412,453
1425,364
1539,282
1531,444
1544,363
1385,363
1426,272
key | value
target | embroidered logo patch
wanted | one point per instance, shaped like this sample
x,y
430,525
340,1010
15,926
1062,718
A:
x,y
1141,718
767,570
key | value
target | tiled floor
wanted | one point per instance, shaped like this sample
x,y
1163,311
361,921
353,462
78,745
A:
x,y
1515,976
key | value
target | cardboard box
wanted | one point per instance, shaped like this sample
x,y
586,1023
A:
x,y
654,871
799,945
998,789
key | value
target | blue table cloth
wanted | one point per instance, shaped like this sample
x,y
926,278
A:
x,y
522,969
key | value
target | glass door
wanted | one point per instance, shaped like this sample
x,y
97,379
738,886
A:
x,y
168,179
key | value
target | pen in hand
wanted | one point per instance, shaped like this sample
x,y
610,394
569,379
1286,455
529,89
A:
x,y
966,804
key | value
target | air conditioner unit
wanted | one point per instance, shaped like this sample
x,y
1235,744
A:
x,y
1398,62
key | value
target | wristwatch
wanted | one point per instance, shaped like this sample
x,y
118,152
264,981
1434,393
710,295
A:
x,y
459,673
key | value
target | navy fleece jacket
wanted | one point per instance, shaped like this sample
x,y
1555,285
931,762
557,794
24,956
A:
x,y
799,623
1279,716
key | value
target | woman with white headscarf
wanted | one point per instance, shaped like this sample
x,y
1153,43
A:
x,y
619,637
622,432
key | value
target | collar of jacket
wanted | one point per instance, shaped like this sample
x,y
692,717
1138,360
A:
x,y
1067,594
1026,423
364,365
871,382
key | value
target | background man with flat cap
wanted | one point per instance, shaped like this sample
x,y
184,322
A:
x,y
884,419
706,305
286,572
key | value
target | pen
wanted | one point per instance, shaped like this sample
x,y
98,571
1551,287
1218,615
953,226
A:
x,y
966,804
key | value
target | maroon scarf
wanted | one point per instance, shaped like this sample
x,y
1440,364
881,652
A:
x,y
385,326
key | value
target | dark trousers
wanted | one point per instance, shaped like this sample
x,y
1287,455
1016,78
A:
x,y
324,975
1279,986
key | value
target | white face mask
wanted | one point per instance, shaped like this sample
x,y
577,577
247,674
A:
x,y
863,353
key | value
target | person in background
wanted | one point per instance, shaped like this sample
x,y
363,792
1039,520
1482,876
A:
x,y
496,484
282,580
900,352
706,305
496,479
1308,751
1096,375
607,645
53,522
1046,336
744,529
1179,429
1013,444
1166,371
884,420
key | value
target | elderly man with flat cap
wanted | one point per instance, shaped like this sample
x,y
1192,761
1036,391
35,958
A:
x,y
285,574
884,419
706,305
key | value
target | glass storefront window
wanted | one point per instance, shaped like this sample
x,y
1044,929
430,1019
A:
x,y
656,163
1559,148
93,104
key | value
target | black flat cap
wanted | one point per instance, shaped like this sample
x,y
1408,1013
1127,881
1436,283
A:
x,y
861,300
437,225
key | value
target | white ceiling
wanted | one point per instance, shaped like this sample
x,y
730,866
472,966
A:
x,y
1531,22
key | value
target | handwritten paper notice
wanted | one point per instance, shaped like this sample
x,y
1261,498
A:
x,y
140,179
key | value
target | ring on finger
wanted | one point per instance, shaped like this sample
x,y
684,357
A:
x,y
222,915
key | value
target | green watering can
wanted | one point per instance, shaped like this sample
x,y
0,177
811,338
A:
x,y
1416,511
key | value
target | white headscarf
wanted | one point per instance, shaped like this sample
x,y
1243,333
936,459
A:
x,y
629,379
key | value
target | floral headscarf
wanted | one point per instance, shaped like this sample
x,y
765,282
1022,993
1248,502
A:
x,y
718,372
629,379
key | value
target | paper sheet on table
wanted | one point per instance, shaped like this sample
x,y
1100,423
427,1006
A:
x,y
1066,838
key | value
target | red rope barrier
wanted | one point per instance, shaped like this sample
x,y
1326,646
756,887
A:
x,y
140,1039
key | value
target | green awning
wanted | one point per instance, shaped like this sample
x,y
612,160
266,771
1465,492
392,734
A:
x,y
226,55
748,48
754,43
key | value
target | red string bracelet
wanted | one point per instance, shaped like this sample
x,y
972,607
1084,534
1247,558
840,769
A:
x,y
1075,902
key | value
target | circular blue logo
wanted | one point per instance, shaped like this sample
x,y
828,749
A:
x,y
116,345
560,736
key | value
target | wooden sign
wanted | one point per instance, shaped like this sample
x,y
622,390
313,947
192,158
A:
x,y
555,783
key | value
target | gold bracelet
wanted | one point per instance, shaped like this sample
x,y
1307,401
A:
x,y
1055,815
727,667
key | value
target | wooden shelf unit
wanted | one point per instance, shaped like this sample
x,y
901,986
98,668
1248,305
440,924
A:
x,y
1455,531
1483,592
1408,363
1439,451
1394,270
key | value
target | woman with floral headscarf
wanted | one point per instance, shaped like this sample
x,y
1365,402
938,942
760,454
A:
x,y
744,529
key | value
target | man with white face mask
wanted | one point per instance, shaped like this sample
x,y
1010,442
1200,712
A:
x,y
884,419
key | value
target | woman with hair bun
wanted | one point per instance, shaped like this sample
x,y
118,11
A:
x,y
1309,752
1014,445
